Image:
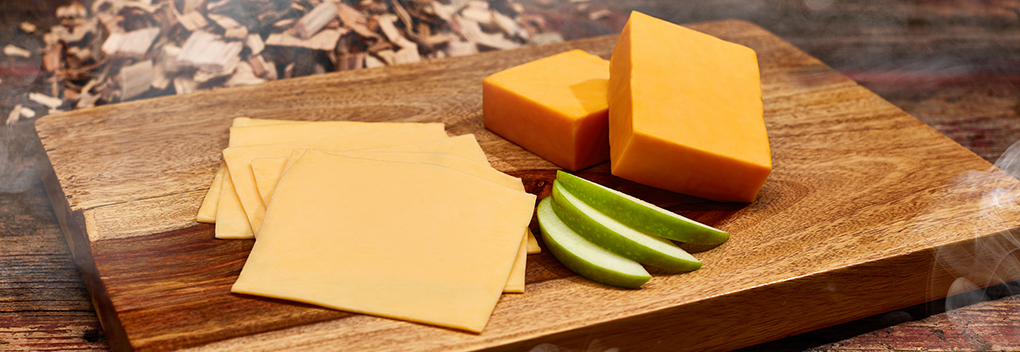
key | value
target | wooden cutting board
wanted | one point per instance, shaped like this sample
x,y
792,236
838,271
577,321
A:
x,y
867,210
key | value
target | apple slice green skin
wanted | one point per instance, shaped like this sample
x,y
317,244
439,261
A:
x,y
585,258
638,214
618,238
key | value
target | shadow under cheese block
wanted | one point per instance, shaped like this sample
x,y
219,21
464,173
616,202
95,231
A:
x,y
685,112
555,107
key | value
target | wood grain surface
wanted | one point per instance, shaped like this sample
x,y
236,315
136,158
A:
x,y
868,210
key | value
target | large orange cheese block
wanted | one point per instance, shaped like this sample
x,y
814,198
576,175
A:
x,y
685,112
555,107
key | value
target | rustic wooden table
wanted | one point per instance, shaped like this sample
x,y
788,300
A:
x,y
954,65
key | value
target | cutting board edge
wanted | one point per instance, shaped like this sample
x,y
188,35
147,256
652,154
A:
x,y
72,226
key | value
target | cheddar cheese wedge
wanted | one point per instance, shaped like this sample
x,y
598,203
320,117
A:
x,y
555,107
685,112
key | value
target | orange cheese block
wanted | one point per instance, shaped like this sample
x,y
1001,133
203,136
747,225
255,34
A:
x,y
685,112
555,107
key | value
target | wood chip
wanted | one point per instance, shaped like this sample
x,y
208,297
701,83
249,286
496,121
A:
x,y
352,61
26,112
354,20
142,5
161,77
262,68
446,11
461,48
599,14
192,21
72,10
371,61
402,13
441,38
316,19
285,23
14,51
406,55
135,79
244,75
479,15
52,58
392,33
71,95
547,38
509,26
231,29
255,43
14,115
191,5
46,100
168,58
472,31
165,67
388,56
185,85
324,40
202,76
82,54
87,100
80,32
209,53
288,71
132,44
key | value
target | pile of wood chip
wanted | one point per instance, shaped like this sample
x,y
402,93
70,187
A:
x,y
116,50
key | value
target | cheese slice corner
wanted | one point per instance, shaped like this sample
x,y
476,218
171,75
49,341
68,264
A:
x,y
207,211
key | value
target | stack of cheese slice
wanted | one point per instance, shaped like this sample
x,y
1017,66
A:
x,y
395,219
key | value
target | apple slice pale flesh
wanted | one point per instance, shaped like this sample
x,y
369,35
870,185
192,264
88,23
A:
x,y
585,258
640,215
618,238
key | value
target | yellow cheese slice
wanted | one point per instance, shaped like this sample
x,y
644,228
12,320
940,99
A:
x,y
267,171
239,159
533,247
479,155
247,121
375,237
293,132
207,211
515,282
456,149
231,222
465,145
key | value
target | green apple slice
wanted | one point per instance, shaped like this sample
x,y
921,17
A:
x,y
638,214
618,238
585,258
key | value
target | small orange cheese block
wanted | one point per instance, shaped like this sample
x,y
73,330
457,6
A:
x,y
685,112
555,107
